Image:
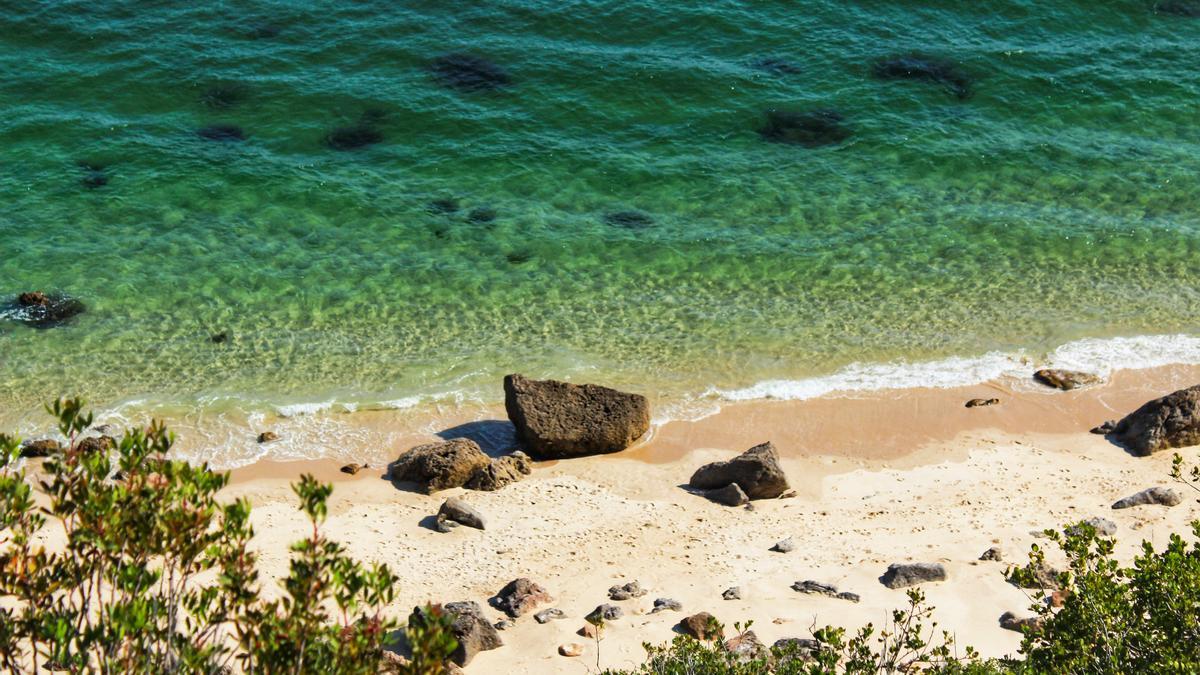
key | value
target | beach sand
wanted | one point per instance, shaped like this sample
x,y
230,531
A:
x,y
882,477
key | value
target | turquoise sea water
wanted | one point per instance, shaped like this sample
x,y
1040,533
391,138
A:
x,y
1058,202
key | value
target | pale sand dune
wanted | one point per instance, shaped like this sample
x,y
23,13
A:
x,y
886,477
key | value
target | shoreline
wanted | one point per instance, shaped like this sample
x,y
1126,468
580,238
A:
x,y
880,478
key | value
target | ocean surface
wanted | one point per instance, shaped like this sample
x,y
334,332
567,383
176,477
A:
x,y
585,190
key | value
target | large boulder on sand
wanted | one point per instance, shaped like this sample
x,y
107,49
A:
x,y
558,420
1172,421
756,471
470,629
438,466
900,575
520,596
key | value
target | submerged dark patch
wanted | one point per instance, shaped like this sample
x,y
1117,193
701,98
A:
x,y
469,73
443,206
222,132
519,257
927,69
1184,8
353,137
630,219
44,310
811,129
263,31
777,66
222,96
481,215
94,179
219,338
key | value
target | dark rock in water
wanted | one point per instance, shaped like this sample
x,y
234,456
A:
x,y
521,596
444,206
1065,380
666,605
42,448
221,132
1162,496
93,444
629,219
558,420
263,31
981,402
1172,421
519,257
1103,527
470,629
354,137
812,129
42,310
756,471
219,338
1184,8
927,69
481,215
268,437
501,471
632,589
900,575
94,179
777,66
439,466
701,626
1107,427
469,73
605,612
730,495
221,96
373,116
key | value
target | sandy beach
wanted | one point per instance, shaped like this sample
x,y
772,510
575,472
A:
x,y
889,476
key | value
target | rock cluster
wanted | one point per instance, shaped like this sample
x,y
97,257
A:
x,y
521,596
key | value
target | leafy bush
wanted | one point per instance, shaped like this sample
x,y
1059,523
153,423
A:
x,y
156,575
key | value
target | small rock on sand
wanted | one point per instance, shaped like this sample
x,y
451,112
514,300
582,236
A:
x,y
784,546
730,495
570,649
455,510
732,593
701,626
746,646
981,402
993,554
1065,380
352,468
1009,621
521,596
632,589
1162,496
1103,526
548,615
605,612
666,604
1172,421
756,471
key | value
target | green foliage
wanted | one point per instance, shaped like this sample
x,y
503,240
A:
x,y
155,574
432,642
904,644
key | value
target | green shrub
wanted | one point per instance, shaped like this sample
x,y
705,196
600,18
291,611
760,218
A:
x,y
156,574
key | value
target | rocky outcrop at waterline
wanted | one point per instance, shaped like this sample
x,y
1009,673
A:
x,y
559,420
1172,421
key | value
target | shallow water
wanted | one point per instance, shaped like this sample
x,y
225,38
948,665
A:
x,y
1056,203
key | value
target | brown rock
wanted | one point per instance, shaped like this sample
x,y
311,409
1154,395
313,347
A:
x,y
42,310
1057,598
633,589
730,495
558,420
42,448
1065,380
1172,421
701,626
746,646
570,649
993,554
470,629
438,466
520,596
981,402
95,444
588,631
1009,621
268,437
353,469
33,299
501,471
756,471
